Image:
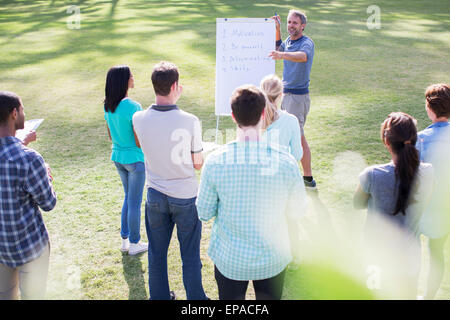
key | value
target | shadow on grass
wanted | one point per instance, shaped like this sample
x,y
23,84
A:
x,y
134,276
348,59
199,16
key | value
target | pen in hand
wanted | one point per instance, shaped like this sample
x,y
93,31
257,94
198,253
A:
x,y
277,18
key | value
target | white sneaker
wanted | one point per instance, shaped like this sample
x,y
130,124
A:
x,y
125,245
136,248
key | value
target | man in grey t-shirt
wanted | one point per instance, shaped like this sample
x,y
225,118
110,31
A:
x,y
297,53
172,144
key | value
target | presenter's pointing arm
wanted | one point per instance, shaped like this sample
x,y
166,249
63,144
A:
x,y
297,56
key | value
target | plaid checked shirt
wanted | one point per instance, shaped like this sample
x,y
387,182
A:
x,y
250,189
24,185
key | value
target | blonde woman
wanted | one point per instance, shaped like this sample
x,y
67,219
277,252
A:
x,y
282,128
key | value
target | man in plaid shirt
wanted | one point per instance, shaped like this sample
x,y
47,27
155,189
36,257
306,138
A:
x,y
253,191
24,186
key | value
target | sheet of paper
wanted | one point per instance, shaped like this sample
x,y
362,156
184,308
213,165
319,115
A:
x,y
209,146
242,56
29,125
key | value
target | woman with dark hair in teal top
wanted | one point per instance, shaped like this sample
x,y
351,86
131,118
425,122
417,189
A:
x,y
126,153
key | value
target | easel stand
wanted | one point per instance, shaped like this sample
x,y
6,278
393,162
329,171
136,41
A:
x,y
217,129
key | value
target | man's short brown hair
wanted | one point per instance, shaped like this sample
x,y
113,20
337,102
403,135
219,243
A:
x,y
438,99
247,104
164,75
8,102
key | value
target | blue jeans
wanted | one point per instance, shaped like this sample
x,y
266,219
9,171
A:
x,y
133,180
161,214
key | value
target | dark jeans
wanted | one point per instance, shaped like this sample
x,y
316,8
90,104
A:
x,y
267,289
162,213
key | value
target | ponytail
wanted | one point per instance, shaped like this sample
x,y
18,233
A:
x,y
270,113
406,169
272,87
400,133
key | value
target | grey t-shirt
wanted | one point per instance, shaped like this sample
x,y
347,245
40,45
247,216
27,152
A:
x,y
380,182
168,137
392,242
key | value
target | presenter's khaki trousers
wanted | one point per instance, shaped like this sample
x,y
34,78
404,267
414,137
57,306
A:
x,y
31,278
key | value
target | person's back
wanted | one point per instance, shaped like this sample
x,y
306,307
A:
x,y
381,182
19,210
254,183
126,154
172,143
432,139
395,195
433,145
252,190
285,132
281,128
124,149
167,133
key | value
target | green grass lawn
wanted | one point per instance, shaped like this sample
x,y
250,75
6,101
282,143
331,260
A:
x,y
359,76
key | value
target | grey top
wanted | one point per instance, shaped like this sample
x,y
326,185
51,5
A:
x,y
380,182
168,137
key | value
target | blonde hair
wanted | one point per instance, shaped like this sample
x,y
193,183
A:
x,y
272,87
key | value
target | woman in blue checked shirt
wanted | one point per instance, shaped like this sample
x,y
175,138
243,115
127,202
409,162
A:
x,y
126,153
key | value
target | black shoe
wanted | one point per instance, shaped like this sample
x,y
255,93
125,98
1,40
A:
x,y
172,295
310,185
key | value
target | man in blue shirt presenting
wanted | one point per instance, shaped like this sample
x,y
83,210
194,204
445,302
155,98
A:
x,y
297,53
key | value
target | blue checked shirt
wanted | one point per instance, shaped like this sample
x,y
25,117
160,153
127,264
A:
x,y
433,144
24,186
250,189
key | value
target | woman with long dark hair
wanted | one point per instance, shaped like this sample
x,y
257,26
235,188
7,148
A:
x,y
395,195
126,153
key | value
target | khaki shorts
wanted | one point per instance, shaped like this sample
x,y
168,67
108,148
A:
x,y
298,105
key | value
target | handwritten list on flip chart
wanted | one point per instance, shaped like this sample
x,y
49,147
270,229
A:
x,y
242,56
